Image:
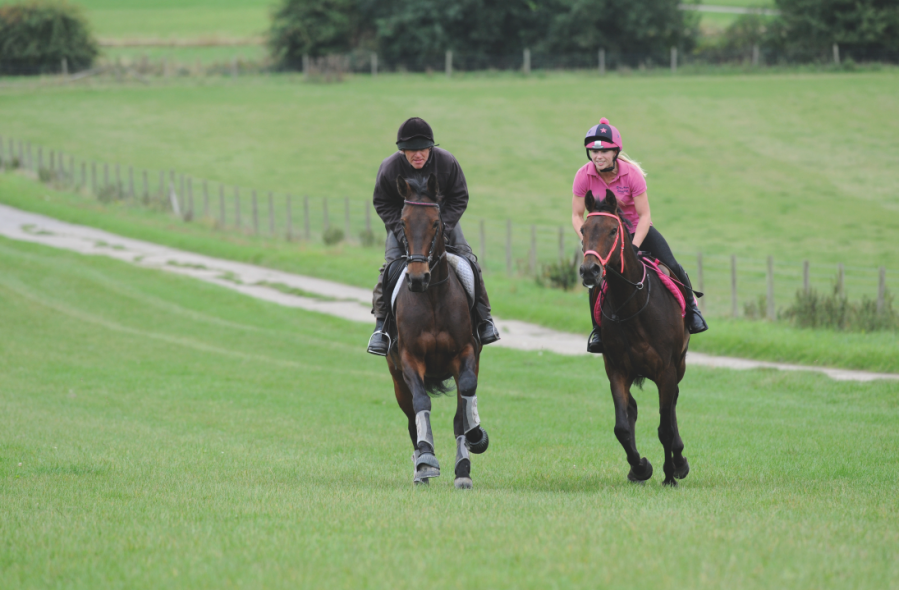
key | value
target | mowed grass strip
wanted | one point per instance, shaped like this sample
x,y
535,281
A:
x,y
161,432
512,297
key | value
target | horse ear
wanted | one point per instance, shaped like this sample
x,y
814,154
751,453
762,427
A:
x,y
403,187
610,203
433,189
589,201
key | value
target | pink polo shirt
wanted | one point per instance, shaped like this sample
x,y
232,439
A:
x,y
626,185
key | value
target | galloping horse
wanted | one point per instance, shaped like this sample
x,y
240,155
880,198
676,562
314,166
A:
x,y
643,332
435,338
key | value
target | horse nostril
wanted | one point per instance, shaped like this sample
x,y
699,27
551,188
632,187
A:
x,y
427,277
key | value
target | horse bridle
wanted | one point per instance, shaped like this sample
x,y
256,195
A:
x,y
419,257
604,261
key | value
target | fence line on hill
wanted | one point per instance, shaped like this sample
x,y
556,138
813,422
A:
x,y
733,286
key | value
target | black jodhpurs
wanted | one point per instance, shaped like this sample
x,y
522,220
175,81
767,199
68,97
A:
x,y
394,250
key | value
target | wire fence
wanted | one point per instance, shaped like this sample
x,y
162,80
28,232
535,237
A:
x,y
733,286
454,61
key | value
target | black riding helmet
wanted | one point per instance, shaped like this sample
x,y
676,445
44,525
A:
x,y
414,134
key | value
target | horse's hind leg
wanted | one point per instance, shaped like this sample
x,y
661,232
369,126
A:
x,y
676,466
470,436
626,428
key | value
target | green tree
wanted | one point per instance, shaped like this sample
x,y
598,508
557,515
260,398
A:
x,y
314,28
36,36
810,27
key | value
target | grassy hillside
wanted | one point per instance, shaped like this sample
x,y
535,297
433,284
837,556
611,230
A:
x,y
160,432
744,165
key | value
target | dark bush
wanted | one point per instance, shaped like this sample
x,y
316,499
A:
x,y
560,275
36,36
813,310
367,238
333,235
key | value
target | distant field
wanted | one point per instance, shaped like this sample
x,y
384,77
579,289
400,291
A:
x,y
737,164
159,432
118,19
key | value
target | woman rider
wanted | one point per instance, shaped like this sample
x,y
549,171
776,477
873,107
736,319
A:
x,y
610,168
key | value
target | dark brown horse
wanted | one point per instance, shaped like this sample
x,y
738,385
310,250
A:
x,y
643,332
435,341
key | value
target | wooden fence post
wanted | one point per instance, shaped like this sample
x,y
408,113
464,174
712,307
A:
x,y
306,217
94,178
602,62
289,219
805,284
561,243
700,280
346,217
533,253
771,311
188,215
840,289
674,60
367,217
83,174
483,239
222,205
106,177
118,181
255,214
71,170
161,185
755,55
131,182
271,214
881,290
181,192
237,208
526,68
448,64
374,65
733,286
836,54
509,246
205,198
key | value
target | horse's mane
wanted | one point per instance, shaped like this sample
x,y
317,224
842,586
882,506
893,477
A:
x,y
420,187
606,207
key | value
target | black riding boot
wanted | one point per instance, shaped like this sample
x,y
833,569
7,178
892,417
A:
x,y
594,342
379,343
695,321
487,330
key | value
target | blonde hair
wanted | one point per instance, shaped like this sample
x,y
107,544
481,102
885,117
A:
x,y
623,156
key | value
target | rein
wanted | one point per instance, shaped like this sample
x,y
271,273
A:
x,y
430,257
604,261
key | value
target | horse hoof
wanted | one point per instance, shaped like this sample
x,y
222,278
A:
x,y
682,471
642,473
418,483
463,483
670,482
481,445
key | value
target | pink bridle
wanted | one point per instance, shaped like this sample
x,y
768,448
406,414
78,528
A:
x,y
604,261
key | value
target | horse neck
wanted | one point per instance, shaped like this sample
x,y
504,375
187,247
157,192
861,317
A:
x,y
633,272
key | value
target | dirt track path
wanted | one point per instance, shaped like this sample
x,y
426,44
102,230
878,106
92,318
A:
x,y
313,294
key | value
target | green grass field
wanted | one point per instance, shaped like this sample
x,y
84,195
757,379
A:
x,y
161,432
514,296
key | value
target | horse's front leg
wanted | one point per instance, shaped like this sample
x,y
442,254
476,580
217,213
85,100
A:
x,y
426,465
470,436
676,465
626,427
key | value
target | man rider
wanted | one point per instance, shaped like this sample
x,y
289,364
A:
x,y
419,157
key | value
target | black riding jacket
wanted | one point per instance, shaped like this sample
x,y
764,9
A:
x,y
389,204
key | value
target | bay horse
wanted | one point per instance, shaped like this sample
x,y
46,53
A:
x,y
643,333
435,338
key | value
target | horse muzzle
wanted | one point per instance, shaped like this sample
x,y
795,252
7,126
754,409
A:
x,y
418,283
590,274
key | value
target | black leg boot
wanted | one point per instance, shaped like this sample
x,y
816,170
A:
x,y
695,321
487,330
594,342
379,343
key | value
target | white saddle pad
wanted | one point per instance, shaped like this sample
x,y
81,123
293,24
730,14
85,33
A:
x,y
462,268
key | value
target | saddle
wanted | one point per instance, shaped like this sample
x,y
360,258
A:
x,y
394,281
664,274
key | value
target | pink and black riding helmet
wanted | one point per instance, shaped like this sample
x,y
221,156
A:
x,y
602,137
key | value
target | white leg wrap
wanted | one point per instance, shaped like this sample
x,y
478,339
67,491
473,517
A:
x,y
423,427
470,418
462,449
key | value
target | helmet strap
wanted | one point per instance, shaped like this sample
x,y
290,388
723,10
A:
x,y
614,161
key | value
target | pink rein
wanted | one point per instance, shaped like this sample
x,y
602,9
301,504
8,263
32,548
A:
x,y
604,261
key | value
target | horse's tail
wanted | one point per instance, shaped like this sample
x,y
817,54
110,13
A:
x,y
439,385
